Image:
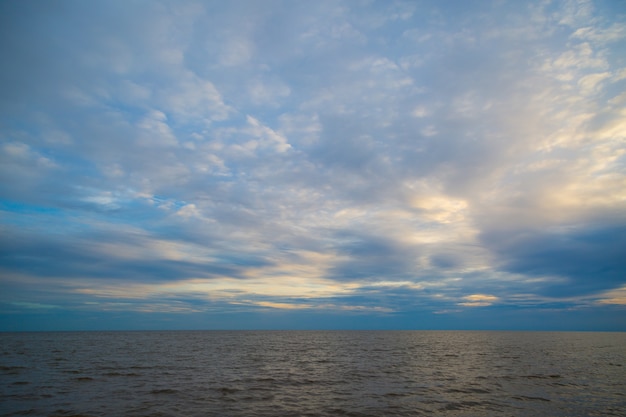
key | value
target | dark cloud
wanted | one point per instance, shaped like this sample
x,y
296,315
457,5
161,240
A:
x,y
363,256
587,259
107,257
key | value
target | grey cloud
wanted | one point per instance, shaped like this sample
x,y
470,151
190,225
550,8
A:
x,y
588,258
366,257
101,254
445,260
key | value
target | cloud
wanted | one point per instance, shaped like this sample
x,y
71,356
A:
x,y
616,296
478,300
192,98
390,157
587,260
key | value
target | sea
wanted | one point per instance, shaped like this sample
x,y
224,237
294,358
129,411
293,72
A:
x,y
313,373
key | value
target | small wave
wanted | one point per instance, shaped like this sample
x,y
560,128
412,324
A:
x,y
121,374
141,367
395,394
228,390
164,391
265,379
529,398
539,376
469,391
68,413
11,369
464,405
30,411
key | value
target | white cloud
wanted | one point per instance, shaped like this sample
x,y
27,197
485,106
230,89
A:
x,y
189,98
265,92
154,130
613,33
265,136
236,52
22,156
189,211
589,83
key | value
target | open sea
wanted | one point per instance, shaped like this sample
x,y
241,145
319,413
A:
x,y
313,373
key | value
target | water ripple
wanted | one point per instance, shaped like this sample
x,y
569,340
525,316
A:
x,y
312,374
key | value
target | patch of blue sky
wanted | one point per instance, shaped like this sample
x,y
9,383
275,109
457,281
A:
x,y
19,207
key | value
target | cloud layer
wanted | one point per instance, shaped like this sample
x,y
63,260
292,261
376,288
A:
x,y
290,164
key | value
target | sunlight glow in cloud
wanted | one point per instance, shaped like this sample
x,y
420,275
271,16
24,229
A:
x,y
617,296
479,300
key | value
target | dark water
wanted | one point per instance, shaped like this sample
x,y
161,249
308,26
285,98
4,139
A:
x,y
313,373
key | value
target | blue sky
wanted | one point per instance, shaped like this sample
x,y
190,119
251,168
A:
x,y
298,164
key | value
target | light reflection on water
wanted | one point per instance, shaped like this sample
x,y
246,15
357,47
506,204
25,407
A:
x,y
325,373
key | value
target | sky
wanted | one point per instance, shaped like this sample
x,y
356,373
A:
x,y
312,165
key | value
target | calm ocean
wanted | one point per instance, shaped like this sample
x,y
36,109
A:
x,y
313,373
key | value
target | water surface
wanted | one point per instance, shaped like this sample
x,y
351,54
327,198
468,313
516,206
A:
x,y
313,373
